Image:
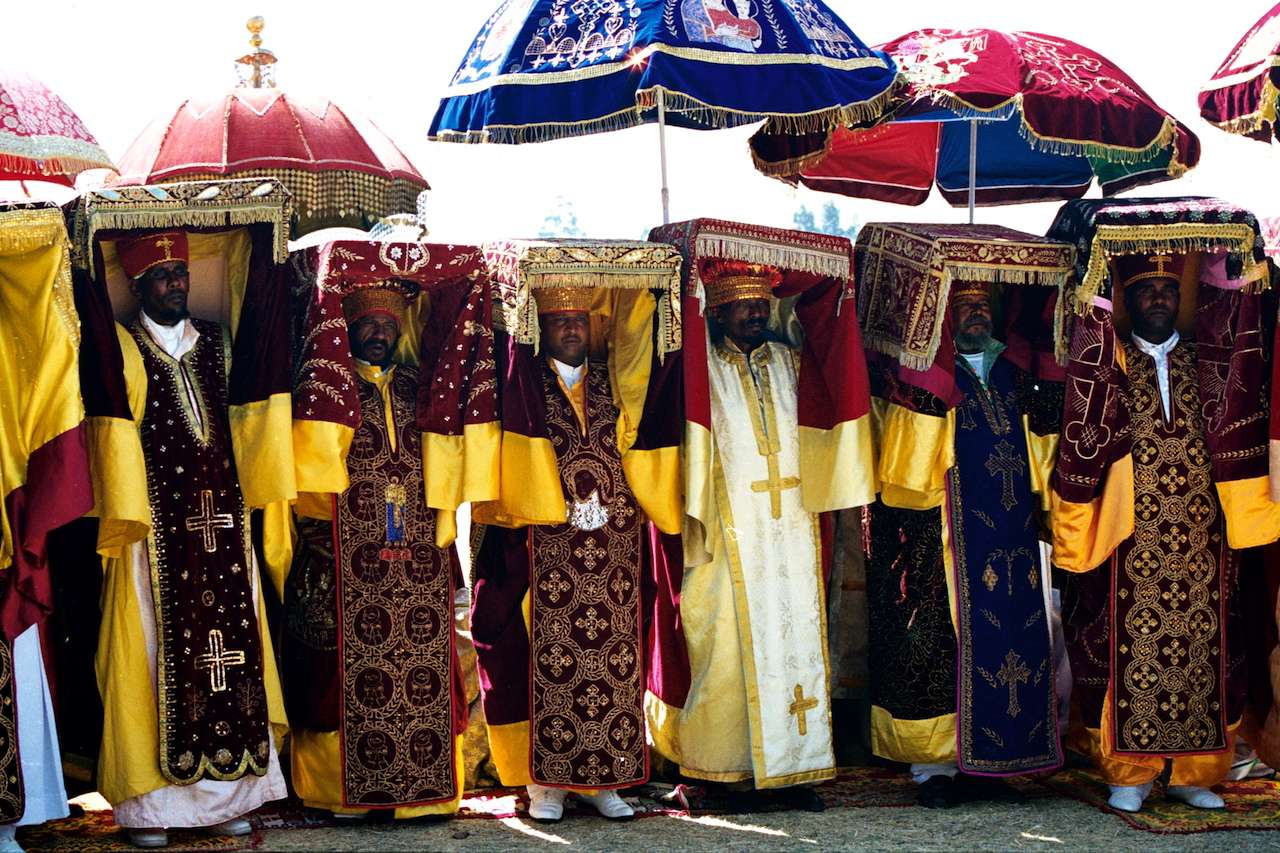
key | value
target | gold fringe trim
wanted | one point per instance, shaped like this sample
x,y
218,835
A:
x,y
1263,117
1173,238
209,204
25,230
785,256
710,115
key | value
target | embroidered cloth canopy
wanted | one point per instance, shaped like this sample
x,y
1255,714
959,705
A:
x,y
1041,117
41,139
547,69
1243,94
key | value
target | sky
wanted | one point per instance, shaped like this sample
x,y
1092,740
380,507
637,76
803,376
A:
x,y
119,64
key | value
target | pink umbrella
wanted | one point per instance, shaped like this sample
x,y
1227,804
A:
x,y
41,139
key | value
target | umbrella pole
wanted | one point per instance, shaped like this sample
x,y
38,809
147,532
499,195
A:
x,y
662,155
973,167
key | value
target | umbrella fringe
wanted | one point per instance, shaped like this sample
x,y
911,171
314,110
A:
x,y
806,259
20,153
789,170
1257,120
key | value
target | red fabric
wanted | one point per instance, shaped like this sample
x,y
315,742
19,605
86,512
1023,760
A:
x,y
1236,88
32,114
139,254
260,129
894,163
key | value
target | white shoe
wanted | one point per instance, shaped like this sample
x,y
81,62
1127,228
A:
x,y
546,804
148,838
1200,798
236,826
609,804
1128,798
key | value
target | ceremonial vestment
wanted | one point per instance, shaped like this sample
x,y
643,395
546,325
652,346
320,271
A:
x,y
185,662
370,672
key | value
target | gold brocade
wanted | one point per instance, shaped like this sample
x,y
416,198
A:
x,y
915,453
837,466
315,759
1085,535
39,342
1202,771
1042,454
262,438
931,741
1252,518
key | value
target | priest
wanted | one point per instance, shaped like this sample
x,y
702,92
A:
x,y
185,664
557,607
962,676
370,671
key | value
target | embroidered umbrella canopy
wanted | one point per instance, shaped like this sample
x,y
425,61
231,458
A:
x,y
41,139
993,118
340,168
1243,93
548,69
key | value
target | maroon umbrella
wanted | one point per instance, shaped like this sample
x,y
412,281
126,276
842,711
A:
x,y
1242,95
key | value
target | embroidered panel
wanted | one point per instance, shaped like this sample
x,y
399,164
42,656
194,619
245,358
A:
x,y
1168,608
309,669
212,703
13,801
395,592
586,721
1006,708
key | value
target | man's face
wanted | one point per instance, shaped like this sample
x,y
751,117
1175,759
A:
x,y
971,321
1153,307
745,321
566,336
163,290
374,338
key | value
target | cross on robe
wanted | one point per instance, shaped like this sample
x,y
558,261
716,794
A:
x,y
1004,463
217,660
775,485
207,521
1012,673
801,707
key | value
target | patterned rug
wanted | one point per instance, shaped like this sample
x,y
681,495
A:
x,y
1253,804
96,832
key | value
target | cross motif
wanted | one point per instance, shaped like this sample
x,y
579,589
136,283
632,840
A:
x,y
593,701
1012,673
1160,261
165,243
592,624
555,586
775,485
801,708
558,734
1005,464
590,553
217,660
556,659
207,521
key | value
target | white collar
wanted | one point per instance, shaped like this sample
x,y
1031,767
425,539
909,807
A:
x,y
176,340
1157,351
571,376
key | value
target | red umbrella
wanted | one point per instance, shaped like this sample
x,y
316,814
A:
x,y
994,117
340,168
41,139
1243,93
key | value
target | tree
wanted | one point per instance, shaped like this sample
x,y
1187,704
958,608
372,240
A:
x,y
805,221
561,221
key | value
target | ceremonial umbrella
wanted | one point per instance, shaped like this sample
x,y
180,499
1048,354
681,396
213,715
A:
x,y
1243,93
340,168
41,139
549,69
992,118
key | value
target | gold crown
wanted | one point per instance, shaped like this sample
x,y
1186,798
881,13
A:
x,y
559,300
970,288
729,281
377,298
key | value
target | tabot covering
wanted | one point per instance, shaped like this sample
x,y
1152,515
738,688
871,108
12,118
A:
x,y
41,139
1223,306
906,271
44,464
448,335
548,69
1243,94
1052,115
340,168
238,231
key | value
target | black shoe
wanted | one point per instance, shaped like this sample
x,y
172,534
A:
x,y
987,789
936,792
803,799
743,802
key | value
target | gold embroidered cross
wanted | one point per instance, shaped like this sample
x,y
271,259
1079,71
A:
x,y
217,660
165,243
801,707
1160,261
775,485
1004,463
208,521
1012,673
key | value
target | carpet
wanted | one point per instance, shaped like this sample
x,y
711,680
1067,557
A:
x,y
1252,804
96,832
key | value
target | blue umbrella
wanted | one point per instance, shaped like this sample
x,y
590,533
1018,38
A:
x,y
550,69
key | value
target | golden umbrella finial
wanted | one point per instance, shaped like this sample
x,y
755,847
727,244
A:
x,y
256,70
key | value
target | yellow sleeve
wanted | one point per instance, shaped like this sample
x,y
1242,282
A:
x,y
117,466
915,452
